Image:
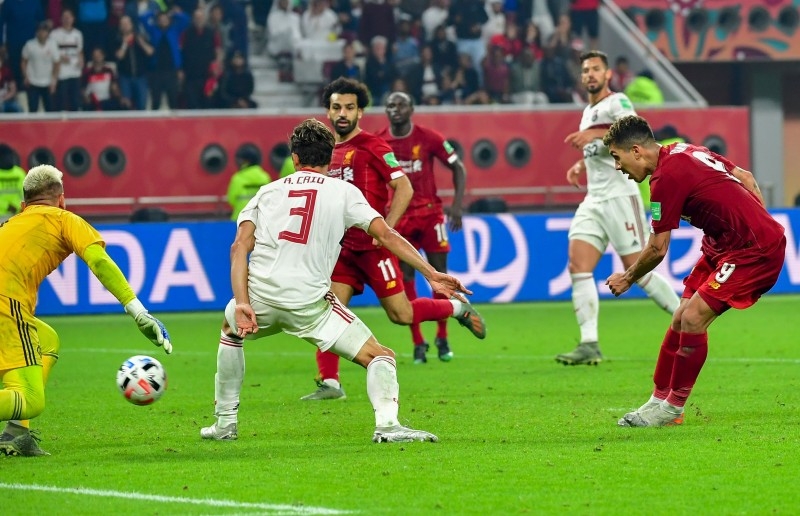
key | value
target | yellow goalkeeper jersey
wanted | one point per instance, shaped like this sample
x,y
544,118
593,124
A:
x,y
33,243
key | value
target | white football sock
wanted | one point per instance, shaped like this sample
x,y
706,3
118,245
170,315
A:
x,y
228,380
586,302
332,383
458,307
383,390
659,290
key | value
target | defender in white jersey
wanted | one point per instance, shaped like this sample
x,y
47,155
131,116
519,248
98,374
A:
x,y
291,229
611,213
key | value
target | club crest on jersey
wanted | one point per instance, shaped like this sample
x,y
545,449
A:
x,y
347,174
415,150
348,157
594,116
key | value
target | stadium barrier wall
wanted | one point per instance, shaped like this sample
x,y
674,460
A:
x,y
502,258
517,154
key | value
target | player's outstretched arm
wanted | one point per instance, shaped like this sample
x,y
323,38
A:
x,y
443,284
109,274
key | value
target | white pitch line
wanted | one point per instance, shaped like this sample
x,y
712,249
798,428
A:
x,y
276,508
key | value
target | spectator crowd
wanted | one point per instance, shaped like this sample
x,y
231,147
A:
x,y
108,55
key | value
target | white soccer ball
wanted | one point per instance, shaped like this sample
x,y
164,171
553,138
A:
x,y
142,379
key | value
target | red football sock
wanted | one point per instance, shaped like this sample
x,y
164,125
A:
x,y
411,293
666,359
410,288
441,324
328,365
427,309
689,361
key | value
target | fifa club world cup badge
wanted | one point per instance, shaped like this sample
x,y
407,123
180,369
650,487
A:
x,y
655,209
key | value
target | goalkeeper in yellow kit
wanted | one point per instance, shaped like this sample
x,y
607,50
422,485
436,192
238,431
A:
x,y
32,244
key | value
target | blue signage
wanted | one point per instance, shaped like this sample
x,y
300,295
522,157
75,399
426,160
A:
x,y
501,258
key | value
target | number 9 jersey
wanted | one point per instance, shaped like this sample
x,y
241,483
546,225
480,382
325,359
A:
x,y
695,184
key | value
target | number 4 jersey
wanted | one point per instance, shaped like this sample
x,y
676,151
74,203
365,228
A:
x,y
300,221
696,184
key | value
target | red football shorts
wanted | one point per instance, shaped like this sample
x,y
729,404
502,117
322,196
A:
x,y
736,279
426,232
377,268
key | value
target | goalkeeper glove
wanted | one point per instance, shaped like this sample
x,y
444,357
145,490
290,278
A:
x,y
150,327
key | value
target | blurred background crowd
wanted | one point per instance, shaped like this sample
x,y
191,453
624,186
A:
x,y
108,55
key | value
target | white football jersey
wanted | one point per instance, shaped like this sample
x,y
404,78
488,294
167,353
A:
x,y
300,221
602,179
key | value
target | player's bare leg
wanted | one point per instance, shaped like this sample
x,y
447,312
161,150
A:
x,y
327,380
400,311
583,258
427,309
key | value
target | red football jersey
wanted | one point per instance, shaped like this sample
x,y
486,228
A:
x,y
695,184
369,163
416,153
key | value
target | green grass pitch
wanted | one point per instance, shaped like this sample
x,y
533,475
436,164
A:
x,y
519,433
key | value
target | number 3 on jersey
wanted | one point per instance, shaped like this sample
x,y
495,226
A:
x,y
305,212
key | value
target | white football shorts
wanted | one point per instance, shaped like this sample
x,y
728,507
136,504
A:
x,y
327,324
619,221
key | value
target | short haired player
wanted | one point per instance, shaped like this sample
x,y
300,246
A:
x,y
32,244
611,213
416,148
291,231
743,251
366,161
